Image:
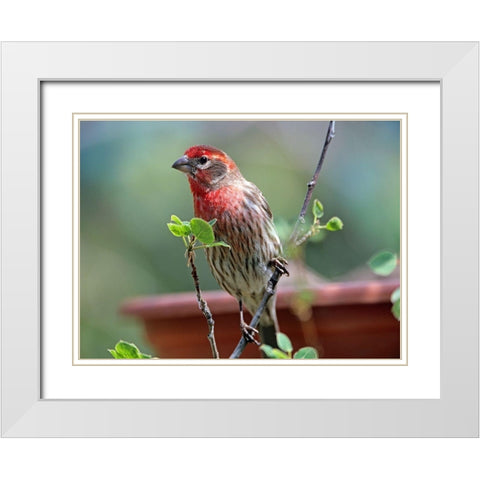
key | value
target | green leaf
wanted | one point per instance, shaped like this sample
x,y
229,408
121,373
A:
x,y
271,352
267,350
334,224
202,230
383,263
113,353
127,350
317,209
395,299
182,230
175,219
306,352
279,354
212,222
284,342
396,309
395,295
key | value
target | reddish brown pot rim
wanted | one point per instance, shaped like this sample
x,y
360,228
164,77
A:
x,y
185,304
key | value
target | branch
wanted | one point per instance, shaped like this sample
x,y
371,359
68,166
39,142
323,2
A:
x,y
202,304
271,286
279,271
312,183
310,232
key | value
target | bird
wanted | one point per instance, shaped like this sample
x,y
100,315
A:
x,y
245,222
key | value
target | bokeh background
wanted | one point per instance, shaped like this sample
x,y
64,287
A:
x,y
128,191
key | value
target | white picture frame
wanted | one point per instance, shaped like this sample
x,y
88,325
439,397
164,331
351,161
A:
x,y
26,65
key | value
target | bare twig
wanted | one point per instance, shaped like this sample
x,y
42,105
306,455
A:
x,y
278,272
272,284
303,239
312,183
202,304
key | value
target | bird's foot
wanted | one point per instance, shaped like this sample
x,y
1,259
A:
x,y
280,264
248,333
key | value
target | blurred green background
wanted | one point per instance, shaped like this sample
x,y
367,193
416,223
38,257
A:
x,y
128,191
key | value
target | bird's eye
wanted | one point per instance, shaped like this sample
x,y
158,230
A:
x,y
203,160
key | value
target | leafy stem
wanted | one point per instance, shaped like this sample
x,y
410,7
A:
x,y
194,231
313,182
333,225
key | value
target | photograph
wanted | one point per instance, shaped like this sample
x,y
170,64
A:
x,y
255,238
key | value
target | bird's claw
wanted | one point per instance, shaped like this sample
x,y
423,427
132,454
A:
x,y
280,264
248,333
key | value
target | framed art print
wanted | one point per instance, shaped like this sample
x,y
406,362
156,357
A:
x,y
379,312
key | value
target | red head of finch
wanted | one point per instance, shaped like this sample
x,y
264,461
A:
x,y
244,221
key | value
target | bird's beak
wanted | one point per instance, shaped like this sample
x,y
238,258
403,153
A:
x,y
183,164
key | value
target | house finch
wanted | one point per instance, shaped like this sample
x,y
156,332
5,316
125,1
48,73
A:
x,y
244,221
